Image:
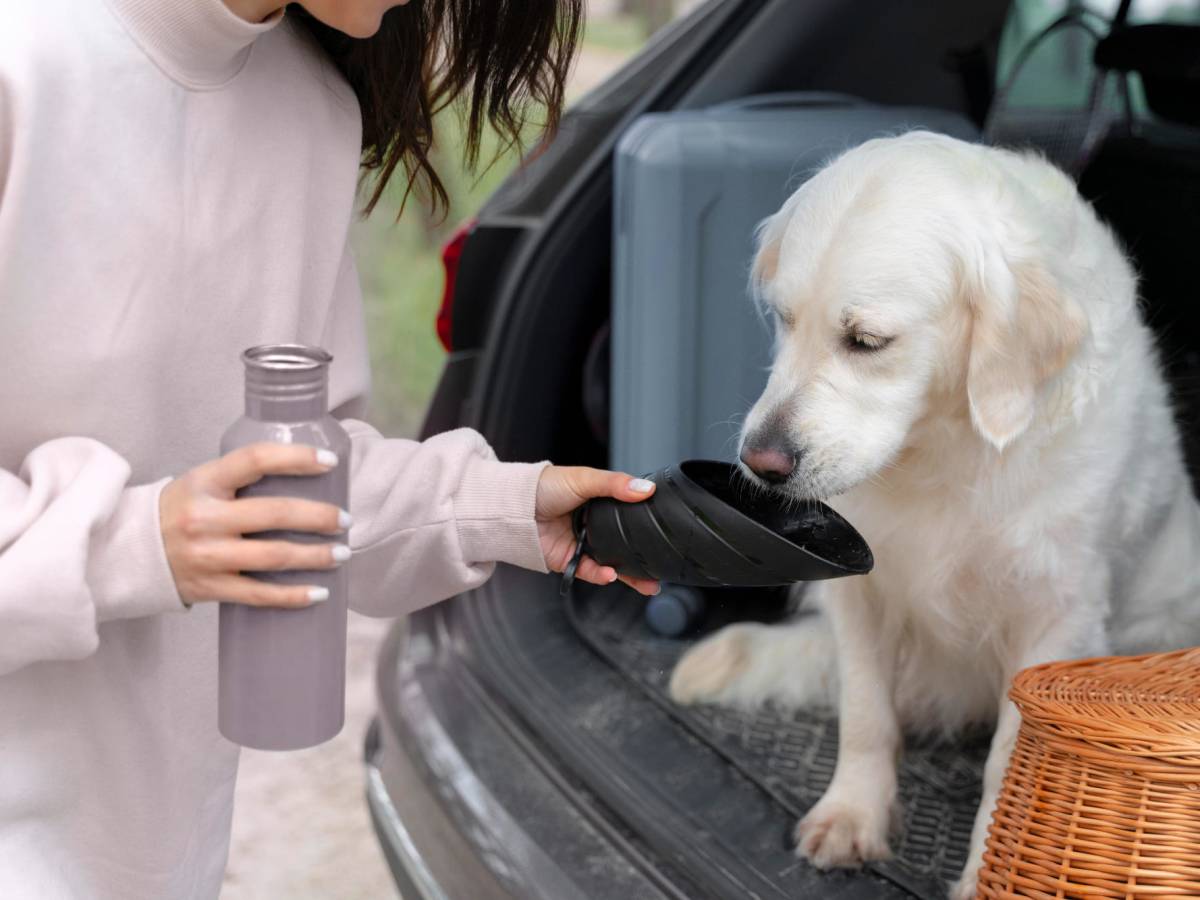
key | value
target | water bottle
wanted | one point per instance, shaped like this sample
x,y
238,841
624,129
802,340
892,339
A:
x,y
282,672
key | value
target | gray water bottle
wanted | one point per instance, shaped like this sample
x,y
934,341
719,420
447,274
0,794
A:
x,y
283,671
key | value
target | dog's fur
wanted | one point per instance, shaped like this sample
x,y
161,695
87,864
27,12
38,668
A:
x,y
1010,455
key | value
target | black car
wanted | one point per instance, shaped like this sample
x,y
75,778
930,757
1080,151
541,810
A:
x,y
525,746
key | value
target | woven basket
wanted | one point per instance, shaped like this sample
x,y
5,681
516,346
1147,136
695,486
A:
x,y
1102,796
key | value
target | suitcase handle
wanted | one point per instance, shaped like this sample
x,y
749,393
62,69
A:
x,y
790,100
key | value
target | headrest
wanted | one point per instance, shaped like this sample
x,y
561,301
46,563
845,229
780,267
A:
x,y
1167,57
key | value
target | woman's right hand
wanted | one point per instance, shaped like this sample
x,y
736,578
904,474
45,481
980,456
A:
x,y
203,524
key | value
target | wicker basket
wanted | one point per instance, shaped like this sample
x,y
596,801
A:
x,y
1102,796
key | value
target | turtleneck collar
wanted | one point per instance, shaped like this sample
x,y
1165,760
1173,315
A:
x,y
199,43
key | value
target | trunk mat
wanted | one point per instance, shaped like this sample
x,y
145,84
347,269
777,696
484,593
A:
x,y
791,754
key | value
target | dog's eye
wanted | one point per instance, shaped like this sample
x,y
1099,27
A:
x,y
865,342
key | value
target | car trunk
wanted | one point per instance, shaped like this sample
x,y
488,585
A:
x,y
711,793
703,800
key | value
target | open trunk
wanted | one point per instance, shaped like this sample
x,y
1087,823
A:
x,y
707,796
531,734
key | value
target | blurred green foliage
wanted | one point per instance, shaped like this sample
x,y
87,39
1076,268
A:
x,y
622,34
400,268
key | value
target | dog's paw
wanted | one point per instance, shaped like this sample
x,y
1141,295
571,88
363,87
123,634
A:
x,y
841,835
709,671
748,664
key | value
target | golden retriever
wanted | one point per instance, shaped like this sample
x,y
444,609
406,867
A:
x,y
961,365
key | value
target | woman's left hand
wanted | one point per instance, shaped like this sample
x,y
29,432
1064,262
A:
x,y
564,488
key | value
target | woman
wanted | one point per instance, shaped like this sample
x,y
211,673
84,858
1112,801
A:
x,y
177,179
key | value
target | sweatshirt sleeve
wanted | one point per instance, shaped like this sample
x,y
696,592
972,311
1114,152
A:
x,y
432,518
78,546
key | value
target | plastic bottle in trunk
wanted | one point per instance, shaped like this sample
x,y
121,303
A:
x,y
283,671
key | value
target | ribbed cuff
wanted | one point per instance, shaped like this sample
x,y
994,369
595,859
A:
x,y
127,565
494,509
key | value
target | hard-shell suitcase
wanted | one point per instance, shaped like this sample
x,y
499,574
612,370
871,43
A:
x,y
689,351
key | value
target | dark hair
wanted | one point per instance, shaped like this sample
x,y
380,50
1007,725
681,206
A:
x,y
506,60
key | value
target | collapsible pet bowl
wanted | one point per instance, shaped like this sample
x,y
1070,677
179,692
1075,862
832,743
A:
x,y
709,526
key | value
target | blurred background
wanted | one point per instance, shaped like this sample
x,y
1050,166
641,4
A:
x,y
300,826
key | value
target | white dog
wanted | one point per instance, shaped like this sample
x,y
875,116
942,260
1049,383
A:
x,y
961,362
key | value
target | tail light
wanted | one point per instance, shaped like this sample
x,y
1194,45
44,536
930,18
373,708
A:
x,y
451,254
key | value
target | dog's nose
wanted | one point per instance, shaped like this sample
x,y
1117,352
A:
x,y
773,463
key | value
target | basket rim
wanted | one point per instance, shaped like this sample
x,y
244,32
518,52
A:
x,y
1137,708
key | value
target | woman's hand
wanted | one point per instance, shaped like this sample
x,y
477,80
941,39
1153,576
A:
x,y
562,489
203,524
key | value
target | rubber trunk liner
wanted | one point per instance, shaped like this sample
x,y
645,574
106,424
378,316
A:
x,y
791,754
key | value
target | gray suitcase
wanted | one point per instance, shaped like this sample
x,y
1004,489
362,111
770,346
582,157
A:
x,y
689,351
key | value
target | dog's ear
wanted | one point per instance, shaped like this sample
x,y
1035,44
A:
x,y
766,261
1024,331
768,243
768,238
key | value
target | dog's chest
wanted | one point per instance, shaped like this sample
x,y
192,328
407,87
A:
x,y
943,569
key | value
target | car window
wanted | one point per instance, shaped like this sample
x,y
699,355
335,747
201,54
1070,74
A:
x,y
1056,69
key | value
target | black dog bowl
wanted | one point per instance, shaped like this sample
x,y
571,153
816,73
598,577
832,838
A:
x,y
709,526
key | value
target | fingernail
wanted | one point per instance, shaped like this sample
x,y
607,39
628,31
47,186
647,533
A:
x,y
327,458
641,485
345,520
340,552
318,594
612,577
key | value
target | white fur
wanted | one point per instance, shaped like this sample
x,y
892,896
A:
x,y
1011,457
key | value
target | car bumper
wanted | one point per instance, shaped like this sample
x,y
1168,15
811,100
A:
x,y
467,805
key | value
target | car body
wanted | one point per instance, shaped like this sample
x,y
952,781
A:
x,y
523,746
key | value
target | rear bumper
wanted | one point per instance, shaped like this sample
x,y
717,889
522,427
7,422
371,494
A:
x,y
409,869
466,805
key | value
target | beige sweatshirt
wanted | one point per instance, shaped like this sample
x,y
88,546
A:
x,y
175,186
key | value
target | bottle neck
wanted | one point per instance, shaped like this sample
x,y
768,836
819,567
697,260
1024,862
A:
x,y
286,409
286,383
